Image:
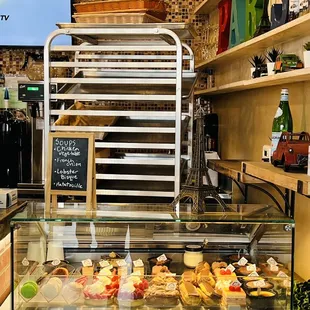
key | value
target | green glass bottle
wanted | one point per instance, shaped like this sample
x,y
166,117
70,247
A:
x,y
282,120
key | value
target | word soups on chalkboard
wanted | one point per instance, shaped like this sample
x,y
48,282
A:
x,y
69,164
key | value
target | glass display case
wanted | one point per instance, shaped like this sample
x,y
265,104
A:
x,y
148,257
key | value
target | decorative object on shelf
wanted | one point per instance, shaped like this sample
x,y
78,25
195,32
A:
x,y
224,8
266,154
282,121
194,187
292,150
293,12
307,55
287,62
254,12
258,63
303,7
279,14
210,78
237,23
264,24
271,56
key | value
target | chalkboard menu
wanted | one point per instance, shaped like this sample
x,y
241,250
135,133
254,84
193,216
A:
x,y
69,164
71,168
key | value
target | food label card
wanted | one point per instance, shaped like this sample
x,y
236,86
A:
x,y
253,274
231,268
87,263
138,263
236,283
260,283
251,267
25,262
162,258
272,262
121,263
171,286
243,261
56,262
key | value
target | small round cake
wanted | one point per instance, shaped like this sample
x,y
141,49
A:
x,y
62,272
29,289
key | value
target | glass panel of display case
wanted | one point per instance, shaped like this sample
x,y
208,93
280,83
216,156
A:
x,y
149,257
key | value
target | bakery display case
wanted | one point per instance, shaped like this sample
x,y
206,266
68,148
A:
x,y
150,257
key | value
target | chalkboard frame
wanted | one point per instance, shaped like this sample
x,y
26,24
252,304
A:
x,y
90,191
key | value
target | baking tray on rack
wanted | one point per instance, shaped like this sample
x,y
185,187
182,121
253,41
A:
x,y
117,18
183,30
188,82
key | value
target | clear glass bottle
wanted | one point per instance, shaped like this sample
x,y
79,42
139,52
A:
x,y
282,121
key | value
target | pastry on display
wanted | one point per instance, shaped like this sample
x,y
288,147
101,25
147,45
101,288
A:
x,y
159,269
206,288
205,275
216,265
72,291
207,300
49,266
189,276
220,286
202,266
52,288
246,270
60,272
271,271
262,299
161,260
189,294
131,292
100,293
253,284
162,292
29,289
82,280
225,274
233,295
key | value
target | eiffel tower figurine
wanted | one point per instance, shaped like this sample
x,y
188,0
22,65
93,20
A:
x,y
194,187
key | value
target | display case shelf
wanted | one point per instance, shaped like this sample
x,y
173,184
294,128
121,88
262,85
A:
x,y
293,30
206,6
297,182
296,76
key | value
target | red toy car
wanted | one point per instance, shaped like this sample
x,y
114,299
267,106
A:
x,y
292,150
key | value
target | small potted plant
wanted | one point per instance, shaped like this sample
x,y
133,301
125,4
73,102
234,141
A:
x,y
271,56
307,55
259,67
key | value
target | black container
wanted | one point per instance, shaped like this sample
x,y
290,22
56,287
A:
x,y
262,302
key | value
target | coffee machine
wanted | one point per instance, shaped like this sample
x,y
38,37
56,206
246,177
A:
x,y
32,93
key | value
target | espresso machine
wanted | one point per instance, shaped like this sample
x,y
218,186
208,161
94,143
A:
x,y
32,93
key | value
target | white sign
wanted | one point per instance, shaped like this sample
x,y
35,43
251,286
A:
x,y
243,261
25,262
172,286
104,264
121,263
87,263
260,283
251,267
272,262
231,268
162,258
138,263
56,262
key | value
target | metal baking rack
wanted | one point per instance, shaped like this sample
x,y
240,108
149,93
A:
x,y
144,63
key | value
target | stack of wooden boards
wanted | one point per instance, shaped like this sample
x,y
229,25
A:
x,y
121,11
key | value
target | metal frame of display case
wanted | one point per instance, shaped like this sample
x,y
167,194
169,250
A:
x,y
149,56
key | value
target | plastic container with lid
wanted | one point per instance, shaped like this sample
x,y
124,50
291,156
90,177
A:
x,y
193,255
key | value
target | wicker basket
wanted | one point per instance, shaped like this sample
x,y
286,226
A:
x,y
116,5
116,18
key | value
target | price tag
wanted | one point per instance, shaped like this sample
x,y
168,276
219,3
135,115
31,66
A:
x,y
251,267
253,274
274,268
104,263
172,286
56,262
236,283
87,263
162,258
25,262
138,263
260,283
121,263
243,261
281,274
271,261
231,268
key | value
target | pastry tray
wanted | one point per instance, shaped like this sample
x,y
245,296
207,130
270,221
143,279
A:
x,y
116,18
114,5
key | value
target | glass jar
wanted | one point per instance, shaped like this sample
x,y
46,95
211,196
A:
x,y
193,255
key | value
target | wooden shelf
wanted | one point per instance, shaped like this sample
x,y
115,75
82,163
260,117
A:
x,y
298,75
290,31
206,6
297,182
232,169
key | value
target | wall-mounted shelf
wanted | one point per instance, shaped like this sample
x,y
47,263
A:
x,y
206,6
299,75
231,169
297,182
293,30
